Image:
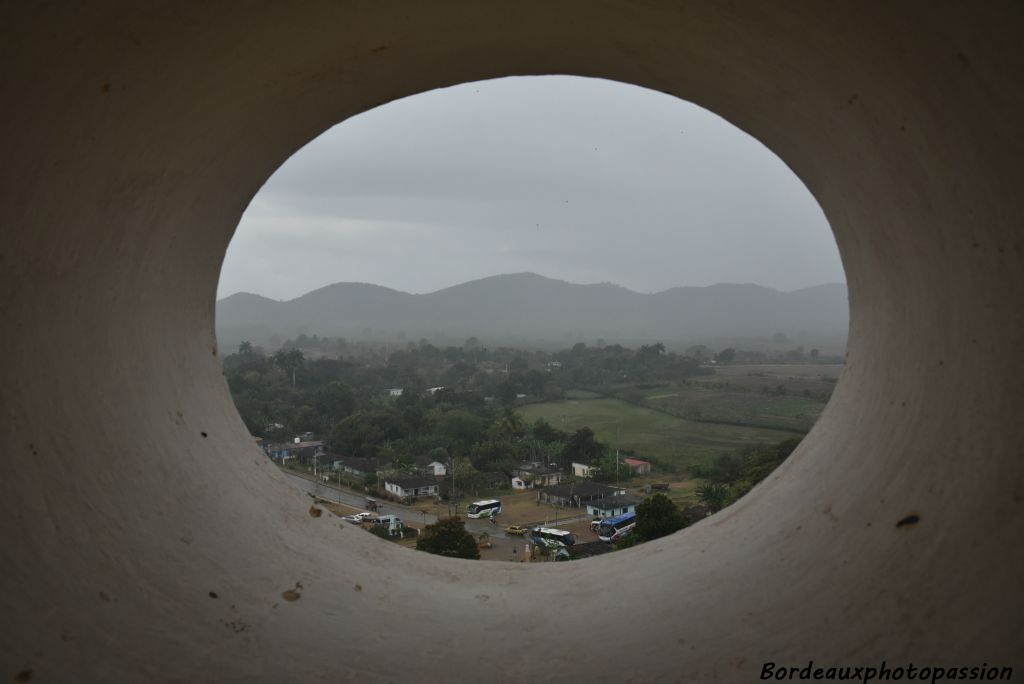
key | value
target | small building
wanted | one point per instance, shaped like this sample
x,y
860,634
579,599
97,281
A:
x,y
611,506
637,466
360,467
411,487
578,493
303,452
429,466
582,469
537,475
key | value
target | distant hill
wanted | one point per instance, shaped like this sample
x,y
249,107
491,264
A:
x,y
526,308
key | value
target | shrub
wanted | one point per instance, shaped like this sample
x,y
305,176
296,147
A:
x,y
448,537
381,531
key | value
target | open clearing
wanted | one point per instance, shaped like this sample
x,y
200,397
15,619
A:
x,y
672,440
786,397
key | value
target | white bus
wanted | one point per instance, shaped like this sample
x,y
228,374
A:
x,y
612,529
484,509
551,538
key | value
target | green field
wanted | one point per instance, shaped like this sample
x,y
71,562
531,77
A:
x,y
779,397
670,439
678,423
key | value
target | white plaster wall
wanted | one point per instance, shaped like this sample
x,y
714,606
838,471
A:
x,y
134,134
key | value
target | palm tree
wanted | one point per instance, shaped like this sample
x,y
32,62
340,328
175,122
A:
x,y
713,495
510,426
289,361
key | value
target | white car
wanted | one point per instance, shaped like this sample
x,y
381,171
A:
x,y
354,519
365,515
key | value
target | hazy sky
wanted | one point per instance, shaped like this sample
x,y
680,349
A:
x,y
583,180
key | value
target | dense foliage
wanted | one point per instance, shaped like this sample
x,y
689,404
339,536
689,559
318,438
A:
x,y
733,475
455,404
448,537
657,516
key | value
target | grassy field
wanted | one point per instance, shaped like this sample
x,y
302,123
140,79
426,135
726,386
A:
x,y
679,423
670,439
777,397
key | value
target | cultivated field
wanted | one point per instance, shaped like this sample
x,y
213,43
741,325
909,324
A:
x,y
677,423
674,441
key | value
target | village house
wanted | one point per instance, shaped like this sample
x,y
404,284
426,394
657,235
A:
x,y
637,466
430,466
582,469
355,465
611,506
303,451
531,475
578,493
410,487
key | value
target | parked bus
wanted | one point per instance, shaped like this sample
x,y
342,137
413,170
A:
x,y
613,528
484,509
551,538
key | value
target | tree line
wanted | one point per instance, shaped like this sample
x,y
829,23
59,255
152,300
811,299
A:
x,y
455,404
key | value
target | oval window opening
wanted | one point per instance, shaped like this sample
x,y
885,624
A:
x,y
531,319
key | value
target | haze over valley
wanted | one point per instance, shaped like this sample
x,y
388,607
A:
x,y
527,309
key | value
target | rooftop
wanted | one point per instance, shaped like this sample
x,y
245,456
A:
x,y
611,502
411,482
583,490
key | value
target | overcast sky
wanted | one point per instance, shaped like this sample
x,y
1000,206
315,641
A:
x,y
583,180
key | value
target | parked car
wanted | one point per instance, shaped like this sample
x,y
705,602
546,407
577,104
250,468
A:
x,y
516,529
389,520
359,518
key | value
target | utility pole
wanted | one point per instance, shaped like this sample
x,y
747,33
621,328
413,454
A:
x,y
451,460
316,478
451,490
617,453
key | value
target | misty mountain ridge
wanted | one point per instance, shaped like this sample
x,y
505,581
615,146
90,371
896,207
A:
x,y
532,309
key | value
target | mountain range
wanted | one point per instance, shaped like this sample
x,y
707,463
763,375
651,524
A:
x,y
527,308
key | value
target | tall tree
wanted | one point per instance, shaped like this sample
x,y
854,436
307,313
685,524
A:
x,y
543,431
448,537
713,495
509,427
582,447
656,517
289,361
332,402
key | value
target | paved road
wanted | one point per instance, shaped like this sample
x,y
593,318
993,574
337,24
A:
x,y
406,513
332,493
